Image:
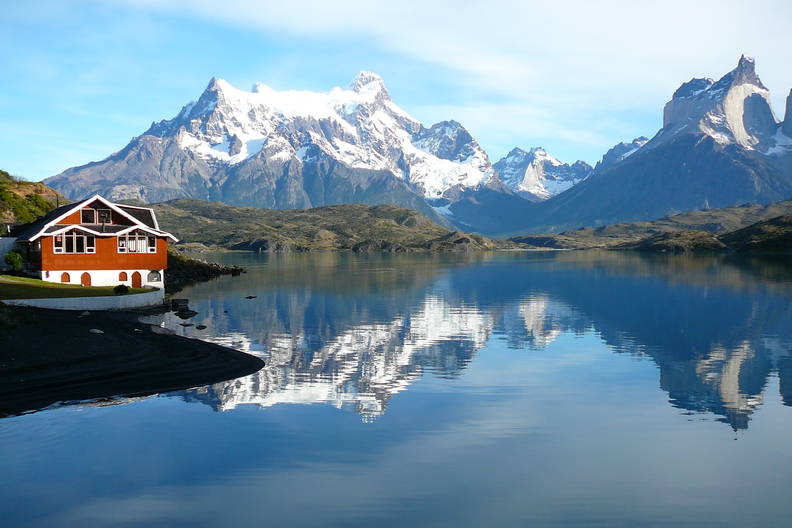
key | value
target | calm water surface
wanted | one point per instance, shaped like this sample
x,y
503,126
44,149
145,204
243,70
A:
x,y
507,389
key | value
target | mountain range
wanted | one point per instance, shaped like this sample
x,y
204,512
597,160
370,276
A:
x,y
720,145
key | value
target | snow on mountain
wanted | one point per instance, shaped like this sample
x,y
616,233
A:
x,y
360,127
781,143
620,152
734,109
537,175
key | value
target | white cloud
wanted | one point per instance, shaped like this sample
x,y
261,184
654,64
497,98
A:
x,y
573,63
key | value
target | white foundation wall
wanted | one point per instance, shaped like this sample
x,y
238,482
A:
x,y
105,277
111,302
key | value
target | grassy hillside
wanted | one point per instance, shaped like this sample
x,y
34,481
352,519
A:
x,y
774,235
22,201
353,227
770,235
714,221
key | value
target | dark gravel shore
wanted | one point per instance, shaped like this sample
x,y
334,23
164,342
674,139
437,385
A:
x,y
49,356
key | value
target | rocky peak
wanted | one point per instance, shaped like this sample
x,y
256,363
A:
x,y
692,88
735,109
745,73
366,82
786,126
619,152
537,175
448,140
515,156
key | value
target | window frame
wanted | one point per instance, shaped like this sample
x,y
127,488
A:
x,y
101,212
136,242
87,210
71,238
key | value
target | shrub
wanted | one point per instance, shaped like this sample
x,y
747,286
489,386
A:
x,y
15,260
121,289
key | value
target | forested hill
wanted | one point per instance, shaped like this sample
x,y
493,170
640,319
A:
x,y
22,201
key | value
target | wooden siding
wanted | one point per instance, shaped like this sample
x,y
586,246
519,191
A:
x,y
106,257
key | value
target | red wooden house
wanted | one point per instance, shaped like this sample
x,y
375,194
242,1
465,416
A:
x,y
97,243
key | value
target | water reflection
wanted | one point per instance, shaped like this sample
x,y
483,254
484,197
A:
x,y
353,331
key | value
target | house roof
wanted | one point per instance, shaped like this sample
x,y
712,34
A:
x,y
26,231
141,217
96,228
143,214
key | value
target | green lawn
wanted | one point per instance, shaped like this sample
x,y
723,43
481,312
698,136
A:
x,y
26,288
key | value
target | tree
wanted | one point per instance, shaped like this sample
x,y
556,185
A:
x,y
15,260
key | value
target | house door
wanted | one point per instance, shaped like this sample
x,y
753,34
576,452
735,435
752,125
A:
x,y
137,282
85,279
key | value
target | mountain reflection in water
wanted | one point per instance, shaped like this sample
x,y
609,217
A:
x,y
354,330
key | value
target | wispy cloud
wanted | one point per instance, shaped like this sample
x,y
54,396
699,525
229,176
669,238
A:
x,y
567,60
575,77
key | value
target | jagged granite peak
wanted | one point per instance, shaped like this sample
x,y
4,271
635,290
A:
x,y
619,152
368,81
786,126
272,148
449,140
692,88
744,73
536,175
735,109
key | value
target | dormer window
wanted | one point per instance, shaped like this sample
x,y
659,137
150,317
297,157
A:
x,y
88,216
105,216
96,216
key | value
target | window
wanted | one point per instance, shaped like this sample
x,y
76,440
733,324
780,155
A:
x,y
137,242
74,242
105,216
154,276
123,276
88,216
96,216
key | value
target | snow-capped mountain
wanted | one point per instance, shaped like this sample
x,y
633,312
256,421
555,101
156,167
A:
x,y
360,127
733,110
285,149
536,175
620,152
720,146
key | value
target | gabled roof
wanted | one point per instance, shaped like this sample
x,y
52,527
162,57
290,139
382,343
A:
x,y
26,231
141,218
144,214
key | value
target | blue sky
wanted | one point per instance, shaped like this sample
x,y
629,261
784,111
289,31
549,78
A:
x,y
82,78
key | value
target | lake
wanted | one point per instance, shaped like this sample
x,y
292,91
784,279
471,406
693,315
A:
x,y
488,389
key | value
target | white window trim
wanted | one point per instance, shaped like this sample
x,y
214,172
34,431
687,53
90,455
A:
x,y
98,216
87,250
82,212
138,237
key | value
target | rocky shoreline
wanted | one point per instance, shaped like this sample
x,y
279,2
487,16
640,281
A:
x,y
183,271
